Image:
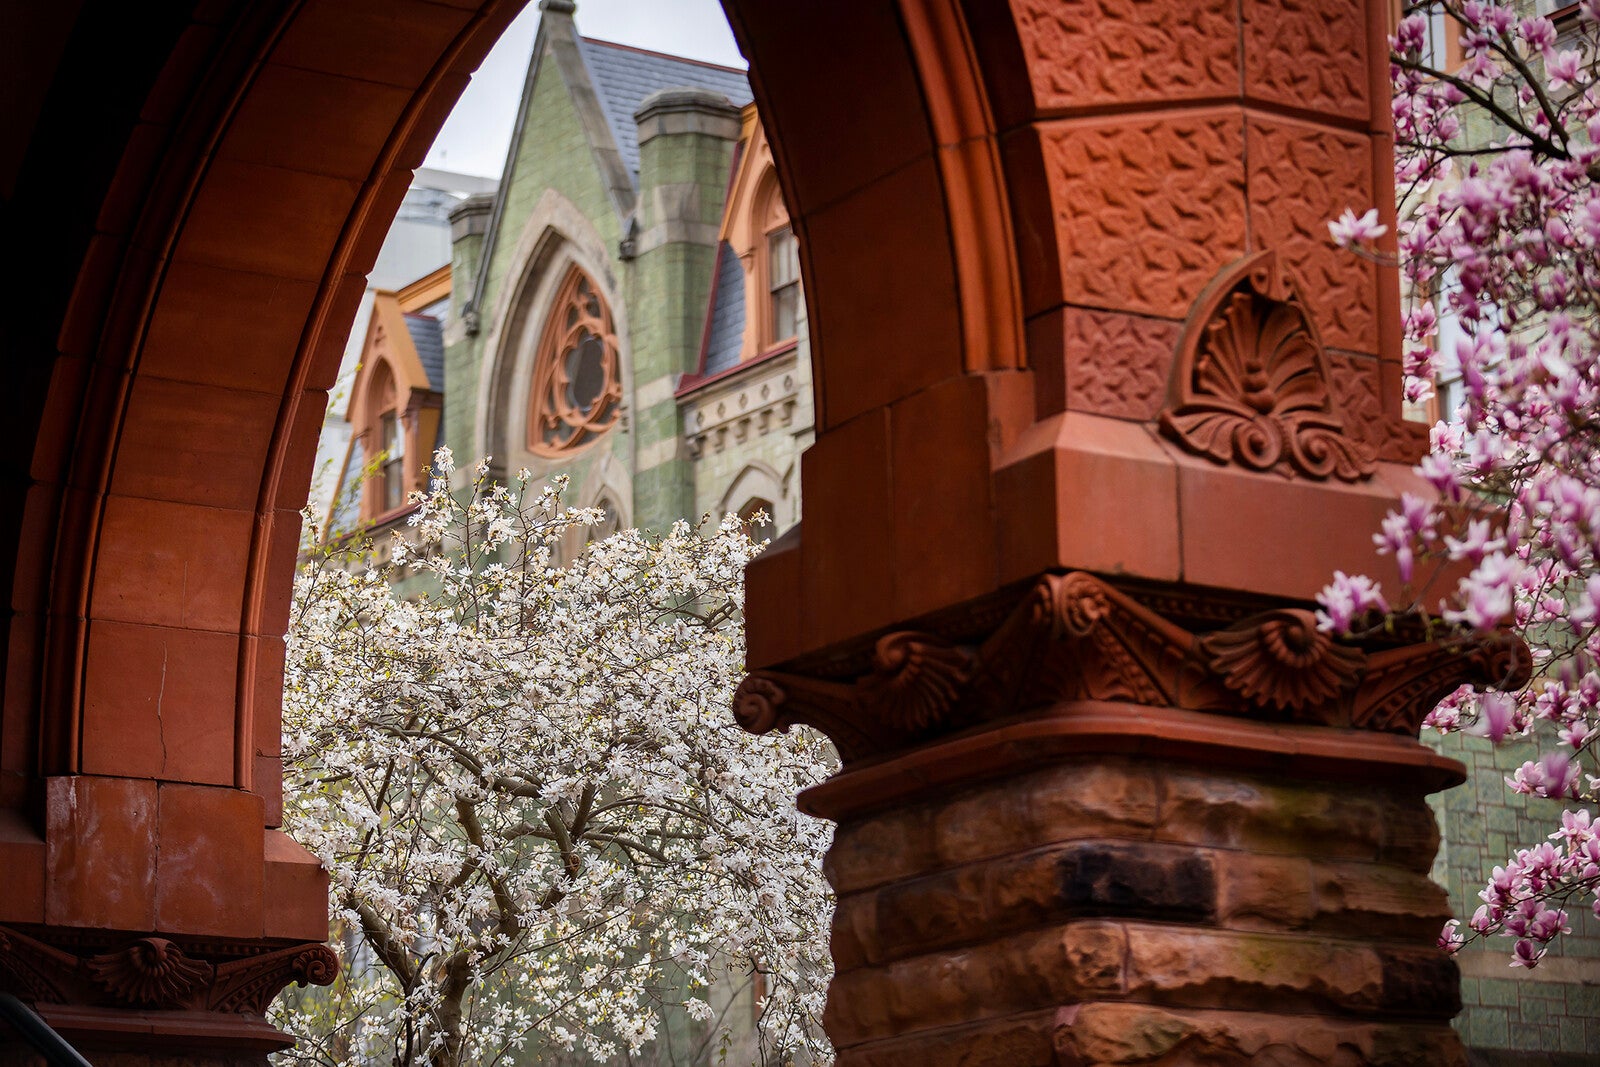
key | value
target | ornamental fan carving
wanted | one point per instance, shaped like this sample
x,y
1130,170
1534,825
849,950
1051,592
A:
x,y
577,379
1251,385
916,680
1282,660
152,972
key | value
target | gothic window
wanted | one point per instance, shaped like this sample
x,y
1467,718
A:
x,y
576,378
392,472
783,283
612,521
754,529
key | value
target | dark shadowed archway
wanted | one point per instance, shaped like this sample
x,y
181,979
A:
x,y
1011,232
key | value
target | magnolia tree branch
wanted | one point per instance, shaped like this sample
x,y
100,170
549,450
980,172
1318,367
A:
x,y
1499,242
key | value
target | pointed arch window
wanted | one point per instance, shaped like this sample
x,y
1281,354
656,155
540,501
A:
x,y
783,284
577,381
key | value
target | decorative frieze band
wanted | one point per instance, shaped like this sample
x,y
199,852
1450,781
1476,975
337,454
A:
x,y
755,403
156,973
1077,637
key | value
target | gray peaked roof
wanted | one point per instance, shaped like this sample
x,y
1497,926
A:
x,y
428,336
726,332
624,76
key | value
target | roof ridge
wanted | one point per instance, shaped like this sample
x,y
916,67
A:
x,y
667,55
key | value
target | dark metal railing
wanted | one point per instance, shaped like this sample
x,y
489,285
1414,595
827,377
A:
x,y
41,1035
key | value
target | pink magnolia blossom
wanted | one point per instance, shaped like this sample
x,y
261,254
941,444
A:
x,y
1499,251
1349,230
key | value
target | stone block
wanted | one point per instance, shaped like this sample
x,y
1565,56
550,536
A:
x,y
210,866
1219,969
1099,799
100,858
1174,884
1264,892
1381,899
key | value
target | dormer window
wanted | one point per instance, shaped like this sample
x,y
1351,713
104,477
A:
x,y
783,274
395,405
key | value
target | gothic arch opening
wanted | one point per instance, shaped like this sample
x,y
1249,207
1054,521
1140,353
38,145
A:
x,y
190,314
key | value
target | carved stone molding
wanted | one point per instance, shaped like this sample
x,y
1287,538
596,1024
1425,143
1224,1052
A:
x,y
1077,637
752,401
1251,384
156,973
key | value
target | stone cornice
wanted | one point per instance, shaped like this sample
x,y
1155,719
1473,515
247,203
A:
x,y
1076,637
222,977
731,409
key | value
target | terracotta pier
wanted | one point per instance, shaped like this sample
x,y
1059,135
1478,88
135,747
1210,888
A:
x,y
1108,796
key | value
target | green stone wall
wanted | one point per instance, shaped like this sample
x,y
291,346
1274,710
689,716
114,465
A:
x,y
552,154
1555,1008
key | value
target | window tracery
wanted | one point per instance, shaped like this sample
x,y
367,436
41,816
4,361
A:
x,y
577,382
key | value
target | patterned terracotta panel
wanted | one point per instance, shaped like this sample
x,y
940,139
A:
x,y
1307,54
1356,389
1117,364
1092,52
1146,209
1301,176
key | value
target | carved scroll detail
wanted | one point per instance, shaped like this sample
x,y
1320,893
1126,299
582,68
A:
x,y
252,984
34,970
1075,637
1251,384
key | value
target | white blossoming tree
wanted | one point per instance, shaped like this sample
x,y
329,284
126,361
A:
x,y
543,827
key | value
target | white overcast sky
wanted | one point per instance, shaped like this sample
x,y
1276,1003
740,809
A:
x,y
475,136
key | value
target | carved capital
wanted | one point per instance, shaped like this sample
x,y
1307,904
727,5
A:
x,y
1251,384
158,973
1078,637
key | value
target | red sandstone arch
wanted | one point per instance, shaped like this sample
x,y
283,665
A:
x,y
194,323
203,228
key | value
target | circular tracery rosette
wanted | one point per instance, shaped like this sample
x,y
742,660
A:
x,y
576,377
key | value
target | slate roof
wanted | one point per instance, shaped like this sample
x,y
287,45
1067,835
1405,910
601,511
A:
x,y
428,335
726,330
623,76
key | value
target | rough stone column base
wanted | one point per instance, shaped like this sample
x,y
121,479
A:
x,y
1098,899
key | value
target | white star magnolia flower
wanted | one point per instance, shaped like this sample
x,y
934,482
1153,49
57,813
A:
x,y
541,822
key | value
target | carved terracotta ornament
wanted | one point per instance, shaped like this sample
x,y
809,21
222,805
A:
x,y
153,972
1077,637
1251,384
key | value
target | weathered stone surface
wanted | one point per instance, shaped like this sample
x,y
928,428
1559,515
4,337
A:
x,y
1379,898
870,852
1264,892
1257,815
1107,879
1128,922
1123,1035
1203,968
